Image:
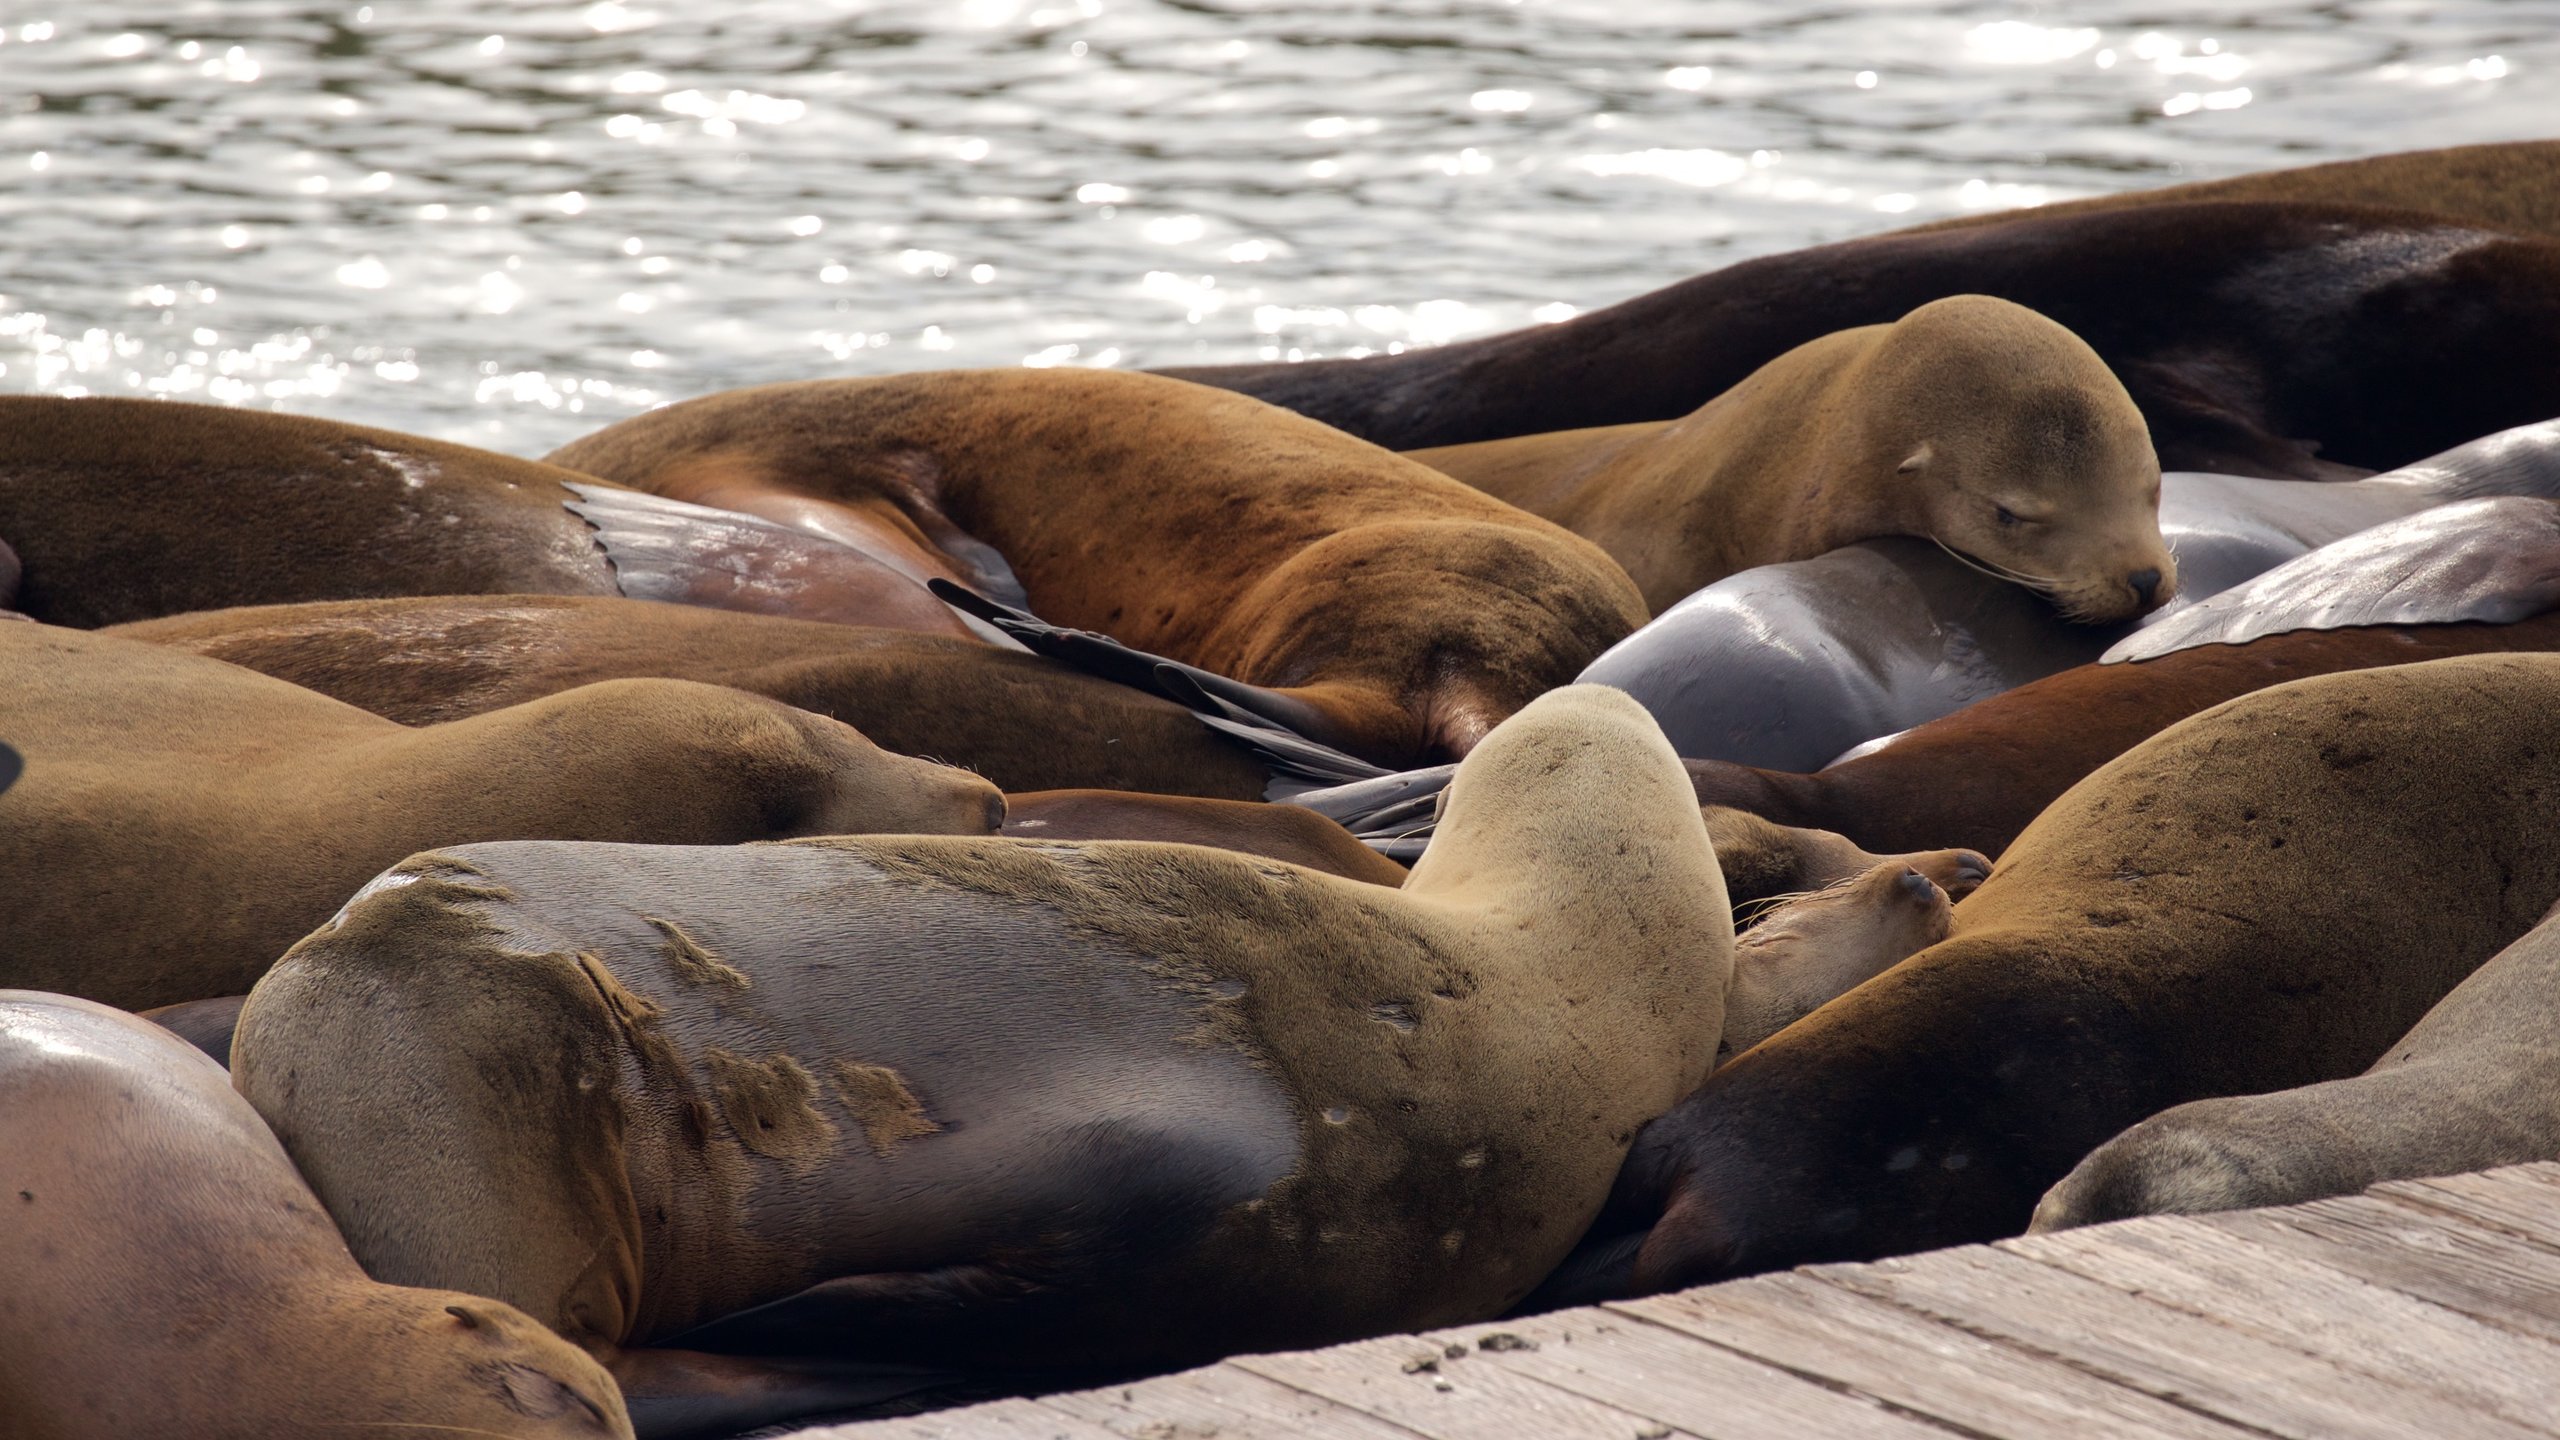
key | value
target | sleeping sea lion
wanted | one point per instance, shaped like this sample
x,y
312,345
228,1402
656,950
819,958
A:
x,y
1278,832
183,821
2211,914
1364,601
127,509
1789,666
1815,948
1168,1103
170,1274
2510,185
1023,721
2475,1086
1971,422
2275,339
2460,574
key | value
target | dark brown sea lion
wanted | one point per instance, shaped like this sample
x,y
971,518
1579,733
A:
x,y
2275,339
2192,920
1790,666
183,821
1160,1102
126,509
1024,722
1970,422
1363,600
170,1275
2476,1085
2510,185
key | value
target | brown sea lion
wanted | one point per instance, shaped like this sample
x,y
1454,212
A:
x,y
2476,1085
2197,918
1363,600
1165,1102
183,821
1971,422
170,1275
2511,185
2276,339
1024,722
126,509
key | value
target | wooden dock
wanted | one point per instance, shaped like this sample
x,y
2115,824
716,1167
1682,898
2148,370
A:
x,y
2425,1308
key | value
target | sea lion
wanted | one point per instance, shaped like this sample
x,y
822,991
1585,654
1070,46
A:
x,y
1815,948
2191,920
170,1274
2273,339
2476,1085
1278,832
1362,600
1167,1102
10,570
1023,721
1788,666
183,821
1976,777
1971,422
2512,185
205,1024
126,509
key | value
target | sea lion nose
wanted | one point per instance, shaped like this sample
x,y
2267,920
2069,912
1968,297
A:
x,y
2145,584
1920,886
1971,870
995,813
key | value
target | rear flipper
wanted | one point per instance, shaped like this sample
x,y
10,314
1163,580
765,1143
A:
x,y
683,1394
1293,736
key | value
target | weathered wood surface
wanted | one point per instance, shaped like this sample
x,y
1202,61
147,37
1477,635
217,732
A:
x,y
2421,1308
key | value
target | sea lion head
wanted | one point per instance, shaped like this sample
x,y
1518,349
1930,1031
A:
x,y
469,1361
1818,946
2021,452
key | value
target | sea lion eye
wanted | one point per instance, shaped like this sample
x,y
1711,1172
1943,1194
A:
x,y
2006,518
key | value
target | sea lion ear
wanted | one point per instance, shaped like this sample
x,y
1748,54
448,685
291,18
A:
x,y
1916,462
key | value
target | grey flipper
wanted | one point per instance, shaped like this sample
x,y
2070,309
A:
x,y
2521,461
1272,725
686,554
12,765
2480,560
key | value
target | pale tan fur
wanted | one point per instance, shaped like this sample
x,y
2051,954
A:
x,y
1813,950
1454,1069
182,821
1919,428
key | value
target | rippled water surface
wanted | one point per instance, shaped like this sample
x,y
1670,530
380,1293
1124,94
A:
x,y
509,223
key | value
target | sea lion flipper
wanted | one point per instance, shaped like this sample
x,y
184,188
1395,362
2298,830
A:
x,y
691,1392
1387,806
1094,654
12,765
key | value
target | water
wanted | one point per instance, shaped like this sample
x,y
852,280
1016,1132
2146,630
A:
x,y
510,223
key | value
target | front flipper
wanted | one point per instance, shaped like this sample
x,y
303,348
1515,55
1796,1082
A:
x,y
684,1394
1290,734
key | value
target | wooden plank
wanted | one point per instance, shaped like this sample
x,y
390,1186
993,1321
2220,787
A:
x,y
2183,1358
1986,1386
2487,1274
1681,1380
1416,1384
998,1420
2523,1200
2399,1339
1220,1401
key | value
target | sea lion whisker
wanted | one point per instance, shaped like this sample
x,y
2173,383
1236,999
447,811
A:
x,y
1996,571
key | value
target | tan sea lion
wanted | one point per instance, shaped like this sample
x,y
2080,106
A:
x,y
2476,1085
1163,1102
1363,600
1023,721
2274,338
2207,915
183,821
1278,832
125,509
170,1275
1971,421
1814,948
